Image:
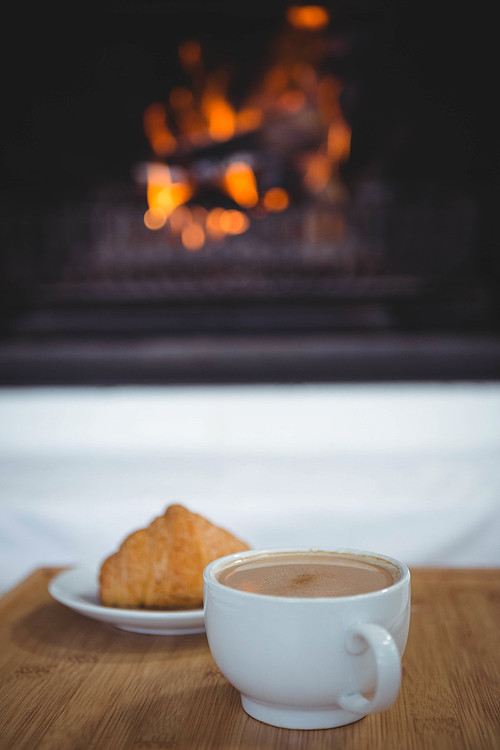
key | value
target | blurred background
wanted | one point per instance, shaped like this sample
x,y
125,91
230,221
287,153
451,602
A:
x,y
266,230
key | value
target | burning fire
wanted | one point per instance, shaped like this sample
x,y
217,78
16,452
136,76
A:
x,y
308,16
164,194
293,95
240,184
157,131
218,112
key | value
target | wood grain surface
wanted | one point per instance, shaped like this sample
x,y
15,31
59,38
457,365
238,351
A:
x,y
73,683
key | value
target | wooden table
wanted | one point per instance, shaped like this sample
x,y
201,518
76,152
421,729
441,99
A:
x,y
70,682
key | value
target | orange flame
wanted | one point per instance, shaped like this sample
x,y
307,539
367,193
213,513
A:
x,y
310,17
339,141
202,114
161,139
219,114
221,118
240,184
163,195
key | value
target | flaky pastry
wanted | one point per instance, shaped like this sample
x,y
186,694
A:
x,y
162,565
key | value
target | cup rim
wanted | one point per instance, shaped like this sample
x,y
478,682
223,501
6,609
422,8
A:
x,y
210,579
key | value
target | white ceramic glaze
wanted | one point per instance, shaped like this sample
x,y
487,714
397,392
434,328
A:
x,y
77,589
309,663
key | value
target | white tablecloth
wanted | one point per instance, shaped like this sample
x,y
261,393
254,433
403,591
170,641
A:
x,y
410,470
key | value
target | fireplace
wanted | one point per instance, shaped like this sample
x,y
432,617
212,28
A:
x,y
252,174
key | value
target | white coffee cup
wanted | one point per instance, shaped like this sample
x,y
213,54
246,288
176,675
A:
x,y
309,663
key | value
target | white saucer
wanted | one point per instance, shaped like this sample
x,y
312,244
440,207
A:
x,y
77,589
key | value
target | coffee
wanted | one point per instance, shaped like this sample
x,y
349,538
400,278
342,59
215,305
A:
x,y
309,574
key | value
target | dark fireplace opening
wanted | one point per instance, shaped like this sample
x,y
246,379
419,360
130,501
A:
x,y
197,182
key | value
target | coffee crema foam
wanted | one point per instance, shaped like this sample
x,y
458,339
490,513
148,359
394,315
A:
x,y
309,574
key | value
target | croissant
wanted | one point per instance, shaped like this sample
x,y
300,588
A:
x,y
162,565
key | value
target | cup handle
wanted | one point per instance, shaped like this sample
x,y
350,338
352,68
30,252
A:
x,y
388,664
